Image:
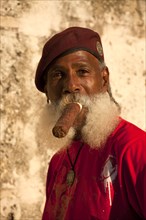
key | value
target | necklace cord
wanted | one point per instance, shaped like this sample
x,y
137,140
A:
x,y
73,164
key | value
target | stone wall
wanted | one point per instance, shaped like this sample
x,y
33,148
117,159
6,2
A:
x,y
26,25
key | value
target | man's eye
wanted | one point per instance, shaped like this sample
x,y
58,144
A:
x,y
57,75
83,71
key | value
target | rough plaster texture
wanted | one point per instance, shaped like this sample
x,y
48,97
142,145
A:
x,y
25,26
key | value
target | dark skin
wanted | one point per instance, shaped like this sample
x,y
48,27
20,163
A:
x,y
77,72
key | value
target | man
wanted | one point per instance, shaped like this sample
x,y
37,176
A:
x,y
99,170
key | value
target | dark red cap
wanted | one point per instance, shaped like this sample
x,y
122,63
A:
x,y
67,41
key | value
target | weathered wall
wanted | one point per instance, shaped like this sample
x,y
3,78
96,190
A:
x,y
26,25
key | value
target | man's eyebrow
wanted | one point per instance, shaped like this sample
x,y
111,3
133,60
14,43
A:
x,y
76,64
55,67
81,64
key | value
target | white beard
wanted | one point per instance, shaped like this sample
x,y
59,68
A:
x,y
102,119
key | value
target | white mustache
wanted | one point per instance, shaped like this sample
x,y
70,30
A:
x,y
70,98
66,99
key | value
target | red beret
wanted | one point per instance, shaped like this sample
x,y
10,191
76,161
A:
x,y
67,41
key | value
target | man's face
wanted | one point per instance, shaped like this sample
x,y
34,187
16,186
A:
x,y
78,72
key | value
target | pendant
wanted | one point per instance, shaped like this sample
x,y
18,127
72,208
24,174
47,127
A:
x,y
70,177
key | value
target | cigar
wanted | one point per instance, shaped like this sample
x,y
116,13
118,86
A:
x,y
66,120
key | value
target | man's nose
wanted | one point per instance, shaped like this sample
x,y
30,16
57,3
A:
x,y
71,84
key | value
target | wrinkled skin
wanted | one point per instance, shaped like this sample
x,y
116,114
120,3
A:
x,y
77,72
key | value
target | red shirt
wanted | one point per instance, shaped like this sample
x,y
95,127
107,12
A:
x,y
110,181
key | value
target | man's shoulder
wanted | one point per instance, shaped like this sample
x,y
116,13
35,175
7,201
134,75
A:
x,y
128,131
128,142
58,155
127,137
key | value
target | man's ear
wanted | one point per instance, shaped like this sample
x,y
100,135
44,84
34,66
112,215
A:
x,y
105,79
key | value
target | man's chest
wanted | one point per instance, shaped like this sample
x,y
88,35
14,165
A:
x,y
92,191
